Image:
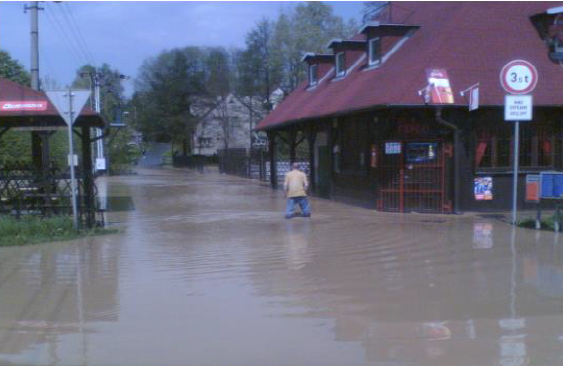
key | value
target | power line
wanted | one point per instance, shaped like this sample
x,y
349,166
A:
x,y
78,30
69,32
71,23
62,35
56,25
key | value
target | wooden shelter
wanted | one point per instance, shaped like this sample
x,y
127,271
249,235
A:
x,y
39,187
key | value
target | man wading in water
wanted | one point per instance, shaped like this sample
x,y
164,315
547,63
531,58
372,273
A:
x,y
295,186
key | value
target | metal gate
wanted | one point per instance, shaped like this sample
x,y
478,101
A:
x,y
412,176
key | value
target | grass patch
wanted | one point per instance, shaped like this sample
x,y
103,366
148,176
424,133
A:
x,y
32,230
546,222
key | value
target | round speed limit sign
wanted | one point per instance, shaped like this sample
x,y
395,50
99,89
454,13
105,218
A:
x,y
518,77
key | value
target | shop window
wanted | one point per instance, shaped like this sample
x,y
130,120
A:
x,y
525,148
421,152
503,151
483,150
539,147
205,142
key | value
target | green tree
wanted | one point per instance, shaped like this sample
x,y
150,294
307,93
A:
x,y
12,70
19,144
273,55
261,60
169,88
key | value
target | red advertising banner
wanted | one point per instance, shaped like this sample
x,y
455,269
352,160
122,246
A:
x,y
23,106
439,88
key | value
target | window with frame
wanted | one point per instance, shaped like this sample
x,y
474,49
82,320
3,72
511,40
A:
x,y
340,64
375,51
539,147
205,142
313,74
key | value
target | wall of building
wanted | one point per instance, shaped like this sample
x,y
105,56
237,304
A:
x,y
362,187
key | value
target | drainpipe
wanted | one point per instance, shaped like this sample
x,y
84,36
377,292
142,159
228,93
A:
x,y
456,183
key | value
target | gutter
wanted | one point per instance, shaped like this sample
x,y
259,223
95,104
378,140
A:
x,y
456,178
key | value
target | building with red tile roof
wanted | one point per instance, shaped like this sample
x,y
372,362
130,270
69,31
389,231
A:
x,y
363,105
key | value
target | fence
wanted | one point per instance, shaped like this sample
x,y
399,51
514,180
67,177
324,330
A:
x,y
24,191
254,164
193,161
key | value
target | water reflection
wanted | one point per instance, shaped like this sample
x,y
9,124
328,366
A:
x,y
418,296
482,235
56,290
296,244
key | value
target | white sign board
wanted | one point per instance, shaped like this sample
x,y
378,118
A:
x,y
75,159
393,148
518,108
100,164
518,77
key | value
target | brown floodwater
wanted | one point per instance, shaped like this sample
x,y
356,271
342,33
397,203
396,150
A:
x,y
207,271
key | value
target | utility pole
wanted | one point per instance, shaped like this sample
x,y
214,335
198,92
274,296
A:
x,y
33,11
39,140
95,82
70,96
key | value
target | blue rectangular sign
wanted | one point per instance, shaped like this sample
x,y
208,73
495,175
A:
x,y
551,185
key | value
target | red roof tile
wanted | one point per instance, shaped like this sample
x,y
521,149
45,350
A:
x,y
471,40
14,92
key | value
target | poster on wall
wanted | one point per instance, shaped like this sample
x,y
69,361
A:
x,y
439,88
393,148
483,188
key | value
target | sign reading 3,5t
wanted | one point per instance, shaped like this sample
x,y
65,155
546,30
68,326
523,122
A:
x,y
518,77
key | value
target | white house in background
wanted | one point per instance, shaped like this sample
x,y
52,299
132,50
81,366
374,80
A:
x,y
230,124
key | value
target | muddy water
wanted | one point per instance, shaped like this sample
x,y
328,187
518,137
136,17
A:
x,y
207,271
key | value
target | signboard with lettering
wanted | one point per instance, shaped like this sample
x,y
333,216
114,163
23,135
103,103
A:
x,y
439,87
551,185
517,108
23,106
393,147
532,188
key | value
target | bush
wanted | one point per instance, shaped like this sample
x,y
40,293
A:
x,y
546,222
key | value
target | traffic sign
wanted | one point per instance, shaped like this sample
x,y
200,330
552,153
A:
x,y
69,104
518,108
60,99
518,77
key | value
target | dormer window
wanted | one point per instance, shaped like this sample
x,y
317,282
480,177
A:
x,y
313,75
340,64
375,51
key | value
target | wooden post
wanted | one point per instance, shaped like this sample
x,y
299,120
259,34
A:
x,y
292,143
311,136
88,181
36,153
272,135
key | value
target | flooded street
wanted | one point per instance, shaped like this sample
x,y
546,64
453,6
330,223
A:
x,y
207,271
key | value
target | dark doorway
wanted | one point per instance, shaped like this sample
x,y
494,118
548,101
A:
x,y
323,172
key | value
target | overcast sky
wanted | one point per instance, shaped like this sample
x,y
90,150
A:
x,y
123,34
